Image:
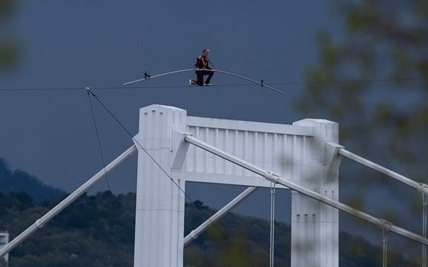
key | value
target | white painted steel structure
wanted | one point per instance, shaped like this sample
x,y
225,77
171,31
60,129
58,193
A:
x,y
272,177
4,240
298,151
201,228
303,157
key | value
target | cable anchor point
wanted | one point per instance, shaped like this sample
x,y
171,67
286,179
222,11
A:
x,y
89,91
386,225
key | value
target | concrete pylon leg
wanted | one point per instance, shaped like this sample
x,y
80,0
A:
x,y
159,226
315,226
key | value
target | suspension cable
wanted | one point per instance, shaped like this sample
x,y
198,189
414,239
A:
x,y
89,93
386,227
138,143
272,225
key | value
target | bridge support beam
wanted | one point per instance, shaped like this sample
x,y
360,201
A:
x,y
313,164
315,226
159,226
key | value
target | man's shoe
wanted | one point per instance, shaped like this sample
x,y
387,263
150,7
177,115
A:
x,y
207,84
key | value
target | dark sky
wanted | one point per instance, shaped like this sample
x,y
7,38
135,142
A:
x,y
105,43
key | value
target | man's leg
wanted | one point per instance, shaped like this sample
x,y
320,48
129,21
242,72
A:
x,y
200,75
210,75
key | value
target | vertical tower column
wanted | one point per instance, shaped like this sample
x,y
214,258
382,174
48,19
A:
x,y
4,240
159,225
315,226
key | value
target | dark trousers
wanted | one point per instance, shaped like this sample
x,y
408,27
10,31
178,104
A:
x,y
201,73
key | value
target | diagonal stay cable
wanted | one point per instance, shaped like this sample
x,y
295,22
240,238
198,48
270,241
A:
x,y
98,136
206,216
138,143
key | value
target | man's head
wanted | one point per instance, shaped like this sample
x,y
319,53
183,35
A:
x,y
205,52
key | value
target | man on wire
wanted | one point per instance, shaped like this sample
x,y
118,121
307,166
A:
x,y
203,68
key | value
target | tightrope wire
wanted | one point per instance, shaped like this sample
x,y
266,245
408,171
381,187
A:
x,y
121,88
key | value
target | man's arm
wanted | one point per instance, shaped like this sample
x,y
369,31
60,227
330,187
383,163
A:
x,y
208,64
198,63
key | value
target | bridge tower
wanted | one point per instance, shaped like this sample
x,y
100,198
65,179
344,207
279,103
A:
x,y
299,152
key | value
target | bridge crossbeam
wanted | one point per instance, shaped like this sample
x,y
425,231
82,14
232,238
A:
x,y
272,177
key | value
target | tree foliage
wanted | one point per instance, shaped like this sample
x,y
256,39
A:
x,y
372,78
8,47
21,181
98,230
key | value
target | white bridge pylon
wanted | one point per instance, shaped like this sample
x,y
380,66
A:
x,y
303,157
299,152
